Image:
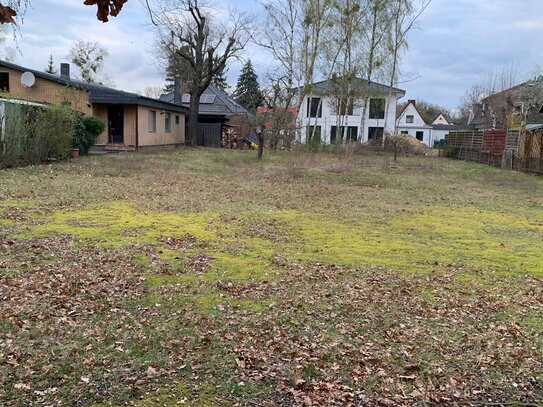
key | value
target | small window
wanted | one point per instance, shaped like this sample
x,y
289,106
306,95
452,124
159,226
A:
x,y
409,118
4,81
377,108
176,119
404,132
168,122
314,107
152,121
420,135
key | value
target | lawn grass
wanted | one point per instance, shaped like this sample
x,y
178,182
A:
x,y
206,277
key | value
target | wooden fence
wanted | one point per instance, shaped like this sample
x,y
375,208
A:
x,y
528,156
514,149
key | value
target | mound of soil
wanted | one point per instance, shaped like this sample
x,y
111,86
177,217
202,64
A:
x,y
408,145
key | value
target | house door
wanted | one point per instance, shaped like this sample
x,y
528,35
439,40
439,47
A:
x,y
115,116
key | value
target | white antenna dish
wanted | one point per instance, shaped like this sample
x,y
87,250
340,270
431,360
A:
x,y
28,79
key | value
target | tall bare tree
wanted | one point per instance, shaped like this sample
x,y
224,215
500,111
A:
x,y
403,15
187,28
282,39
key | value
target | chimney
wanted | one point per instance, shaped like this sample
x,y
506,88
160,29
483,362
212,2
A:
x,y
65,71
177,97
413,102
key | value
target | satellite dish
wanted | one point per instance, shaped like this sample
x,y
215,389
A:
x,y
28,79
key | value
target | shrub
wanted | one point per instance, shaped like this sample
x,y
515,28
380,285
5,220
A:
x,y
34,134
86,131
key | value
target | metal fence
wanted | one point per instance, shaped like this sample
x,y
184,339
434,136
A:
x,y
513,149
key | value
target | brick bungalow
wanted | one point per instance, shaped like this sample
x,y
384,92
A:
x,y
132,121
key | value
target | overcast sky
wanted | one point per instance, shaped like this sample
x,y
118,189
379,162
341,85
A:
x,y
455,44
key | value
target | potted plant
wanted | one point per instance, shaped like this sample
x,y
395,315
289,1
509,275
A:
x,y
74,152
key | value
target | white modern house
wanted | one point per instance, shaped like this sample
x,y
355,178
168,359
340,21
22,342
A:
x,y
411,122
324,118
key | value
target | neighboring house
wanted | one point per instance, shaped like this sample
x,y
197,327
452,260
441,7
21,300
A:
x,y
132,121
221,118
442,119
511,108
410,121
320,116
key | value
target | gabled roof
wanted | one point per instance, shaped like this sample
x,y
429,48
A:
x,y
414,104
446,117
100,93
222,104
362,86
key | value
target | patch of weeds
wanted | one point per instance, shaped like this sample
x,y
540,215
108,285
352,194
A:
x,y
370,385
309,373
533,322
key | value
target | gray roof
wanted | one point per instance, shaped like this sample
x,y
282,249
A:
x,y
453,127
100,93
221,104
358,85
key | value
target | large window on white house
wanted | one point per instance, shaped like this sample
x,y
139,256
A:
x,y
168,122
335,135
375,132
314,107
352,133
313,134
377,108
409,118
152,121
346,106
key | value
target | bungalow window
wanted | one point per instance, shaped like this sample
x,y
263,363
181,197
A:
x,y
168,122
409,118
420,135
152,121
4,81
377,108
314,107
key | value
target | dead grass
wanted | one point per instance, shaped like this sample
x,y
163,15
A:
x,y
207,277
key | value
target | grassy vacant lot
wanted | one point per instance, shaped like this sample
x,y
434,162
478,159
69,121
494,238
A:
x,y
203,277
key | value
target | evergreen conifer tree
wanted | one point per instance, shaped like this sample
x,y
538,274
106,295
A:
x,y
50,68
248,93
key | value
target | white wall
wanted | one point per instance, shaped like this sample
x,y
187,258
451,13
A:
x,y
329,118
418,125
441,120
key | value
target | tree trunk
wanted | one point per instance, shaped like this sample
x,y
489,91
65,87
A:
x,y
260,145
191,138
